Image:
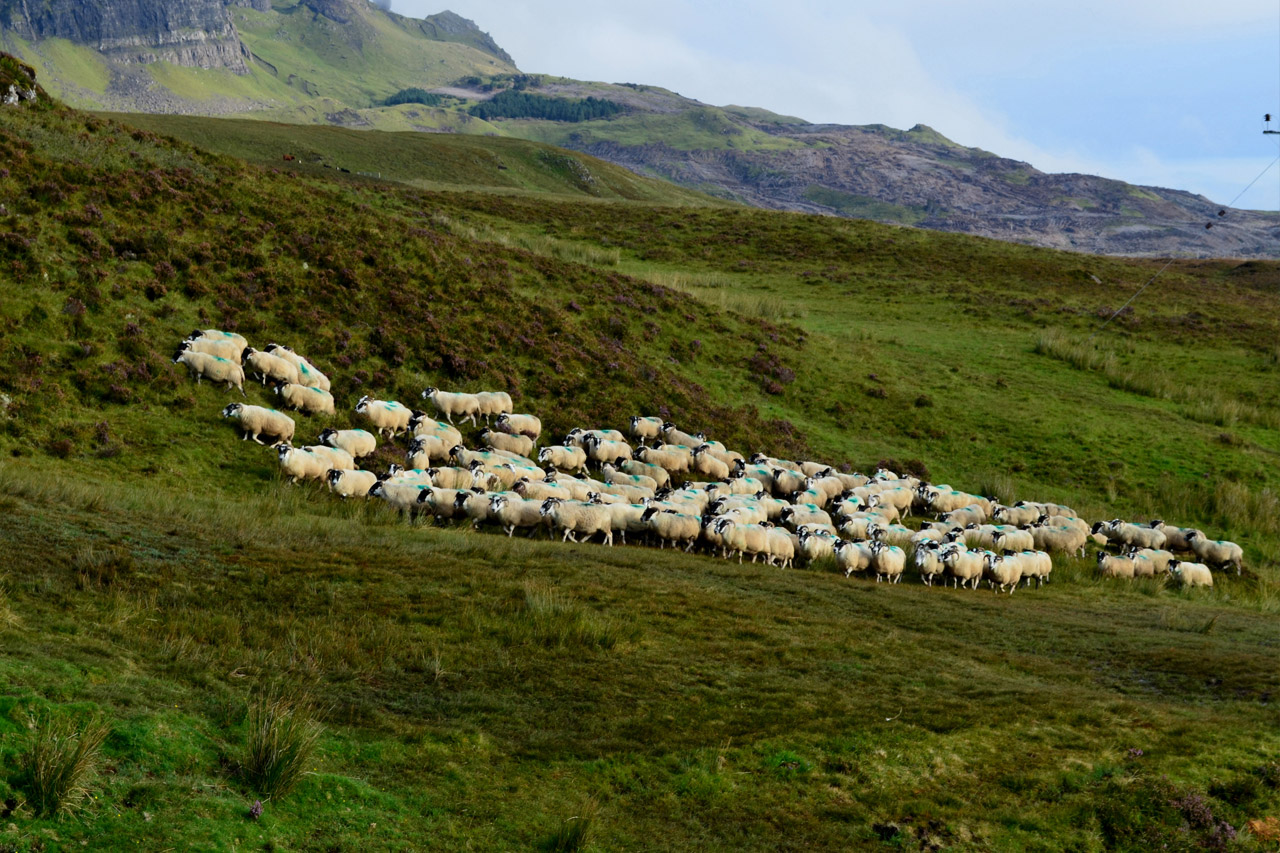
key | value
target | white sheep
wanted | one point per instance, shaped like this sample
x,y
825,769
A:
x,y
311,401
351,484
1216,552
337,457
526,425
301,464
673,461
742,538
1134,534
964,566
578,519
674,527
888,562
218,334
493,403
452,478
516,514
257,420
1003,574
853,556
268,366
1150,562
708,465
564,457
782,548
464,406
928,560
674,435
221,347
540,490
405,498
359,443
388,417
307,373
1111,566
211,367
518,444
427,450
645,427
441,503
425,426
1066,540
1191,574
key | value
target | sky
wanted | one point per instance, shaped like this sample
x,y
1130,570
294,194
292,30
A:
x,y
1156,92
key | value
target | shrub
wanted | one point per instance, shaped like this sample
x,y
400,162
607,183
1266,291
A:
x,y
61,757
281,742
574,833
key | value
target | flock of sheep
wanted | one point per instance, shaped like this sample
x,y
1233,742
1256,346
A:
x,y
661,485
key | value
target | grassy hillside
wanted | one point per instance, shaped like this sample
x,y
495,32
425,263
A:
x,y
430,161
505,694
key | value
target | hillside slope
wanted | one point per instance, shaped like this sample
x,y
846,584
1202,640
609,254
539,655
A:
x,y
475,690
334,62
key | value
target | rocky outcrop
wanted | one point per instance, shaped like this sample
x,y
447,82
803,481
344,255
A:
x,y
194,33
448,26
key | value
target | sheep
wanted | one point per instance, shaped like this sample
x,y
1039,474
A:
x,y
388,417
357,442
645,427
1216,552
473,504
211,367
1112,566
465,406
577,437
405,498
1003,574
743,538
301,464
786,482
888,562
441,503
338,458
816,546
1191,574
427,450
941,500
309,401
857,527
708,465
350,484
493,403
671,461
771,463
1063,539
782,548
627,518
425,426
1175,538
928,560
307,373
894,534
415,476
540,490
748,510
515,514
900,497
1135,535
1036,566
578,519
636,468
964,566
1149,562
452,478
268,366
972,514
564,457
1064,521
216,334
674,527
256,421
804,514
612,475
1012,540
853,556
221,347
1015,515
526,425
673,435
601,450
519,444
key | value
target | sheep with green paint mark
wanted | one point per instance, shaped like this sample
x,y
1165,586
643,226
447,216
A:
x,y
211,367
388,417
257,421
311,401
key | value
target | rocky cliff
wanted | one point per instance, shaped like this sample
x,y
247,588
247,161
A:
x,y
194,33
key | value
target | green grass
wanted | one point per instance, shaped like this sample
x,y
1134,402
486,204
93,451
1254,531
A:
x,y
863,207
475,690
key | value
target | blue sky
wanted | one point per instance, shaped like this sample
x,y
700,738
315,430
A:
x,y
1167,93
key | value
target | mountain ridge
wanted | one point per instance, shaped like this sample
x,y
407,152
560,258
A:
x,y
334,62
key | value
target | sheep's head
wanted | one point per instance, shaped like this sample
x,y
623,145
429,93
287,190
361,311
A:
x,y
333,476
430,393
232,410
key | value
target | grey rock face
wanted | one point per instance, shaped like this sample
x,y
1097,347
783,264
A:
x,y
194,33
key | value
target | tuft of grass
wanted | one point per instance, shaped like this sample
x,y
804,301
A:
x,y
59,761
576,832
281,742
550,618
